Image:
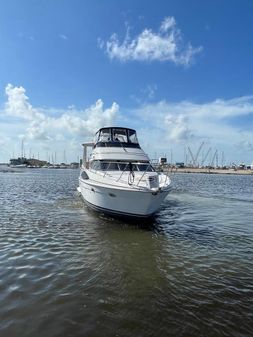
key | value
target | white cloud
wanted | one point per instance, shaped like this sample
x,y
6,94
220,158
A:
x,y
150,90
167,24
165,45
145,94
246,145
43,127
178,126
182,124
161,126
3,141
18,104
221,108
63,37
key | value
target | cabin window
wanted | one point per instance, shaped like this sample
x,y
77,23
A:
x,y
95,165
145,167
132,137
113,167
122,166
84,175
104,166
134,167
116,166
119,135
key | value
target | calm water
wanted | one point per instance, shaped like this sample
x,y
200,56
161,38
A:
x,y
66,271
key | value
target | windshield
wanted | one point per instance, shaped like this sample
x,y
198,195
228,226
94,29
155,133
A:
x,y
119,135
116,137
116,166
104,135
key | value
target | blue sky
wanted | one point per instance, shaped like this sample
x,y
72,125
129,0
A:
x,y
180,72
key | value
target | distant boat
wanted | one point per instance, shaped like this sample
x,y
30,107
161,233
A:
x,y
119,178
20,162
19,166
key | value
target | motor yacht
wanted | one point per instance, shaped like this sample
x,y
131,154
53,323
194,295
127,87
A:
x,y
117,177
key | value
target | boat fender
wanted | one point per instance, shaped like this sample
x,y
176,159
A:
x,y
155,191
131,178
131,174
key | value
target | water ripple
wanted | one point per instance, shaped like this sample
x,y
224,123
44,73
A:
x,y
66,271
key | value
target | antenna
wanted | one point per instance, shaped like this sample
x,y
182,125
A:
x,y
22,147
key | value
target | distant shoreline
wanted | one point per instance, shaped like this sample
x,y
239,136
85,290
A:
x,y
209,171
184,170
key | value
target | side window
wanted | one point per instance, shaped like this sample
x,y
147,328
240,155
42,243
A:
x,y
142,167
84,175
95,165
104,166
122,167
105,135
145,167
113,167
132,137
134,167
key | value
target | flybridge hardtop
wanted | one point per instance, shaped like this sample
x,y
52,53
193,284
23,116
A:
x,y
116,137
118,178
115,143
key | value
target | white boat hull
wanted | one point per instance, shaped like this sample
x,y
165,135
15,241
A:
x,y
135,203
118,177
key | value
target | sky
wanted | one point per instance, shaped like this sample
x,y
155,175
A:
x,y
179,72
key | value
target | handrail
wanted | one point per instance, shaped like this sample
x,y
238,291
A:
x,y
122,173
106,173
143,174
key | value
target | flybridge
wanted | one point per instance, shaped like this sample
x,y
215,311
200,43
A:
x,y
116,137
